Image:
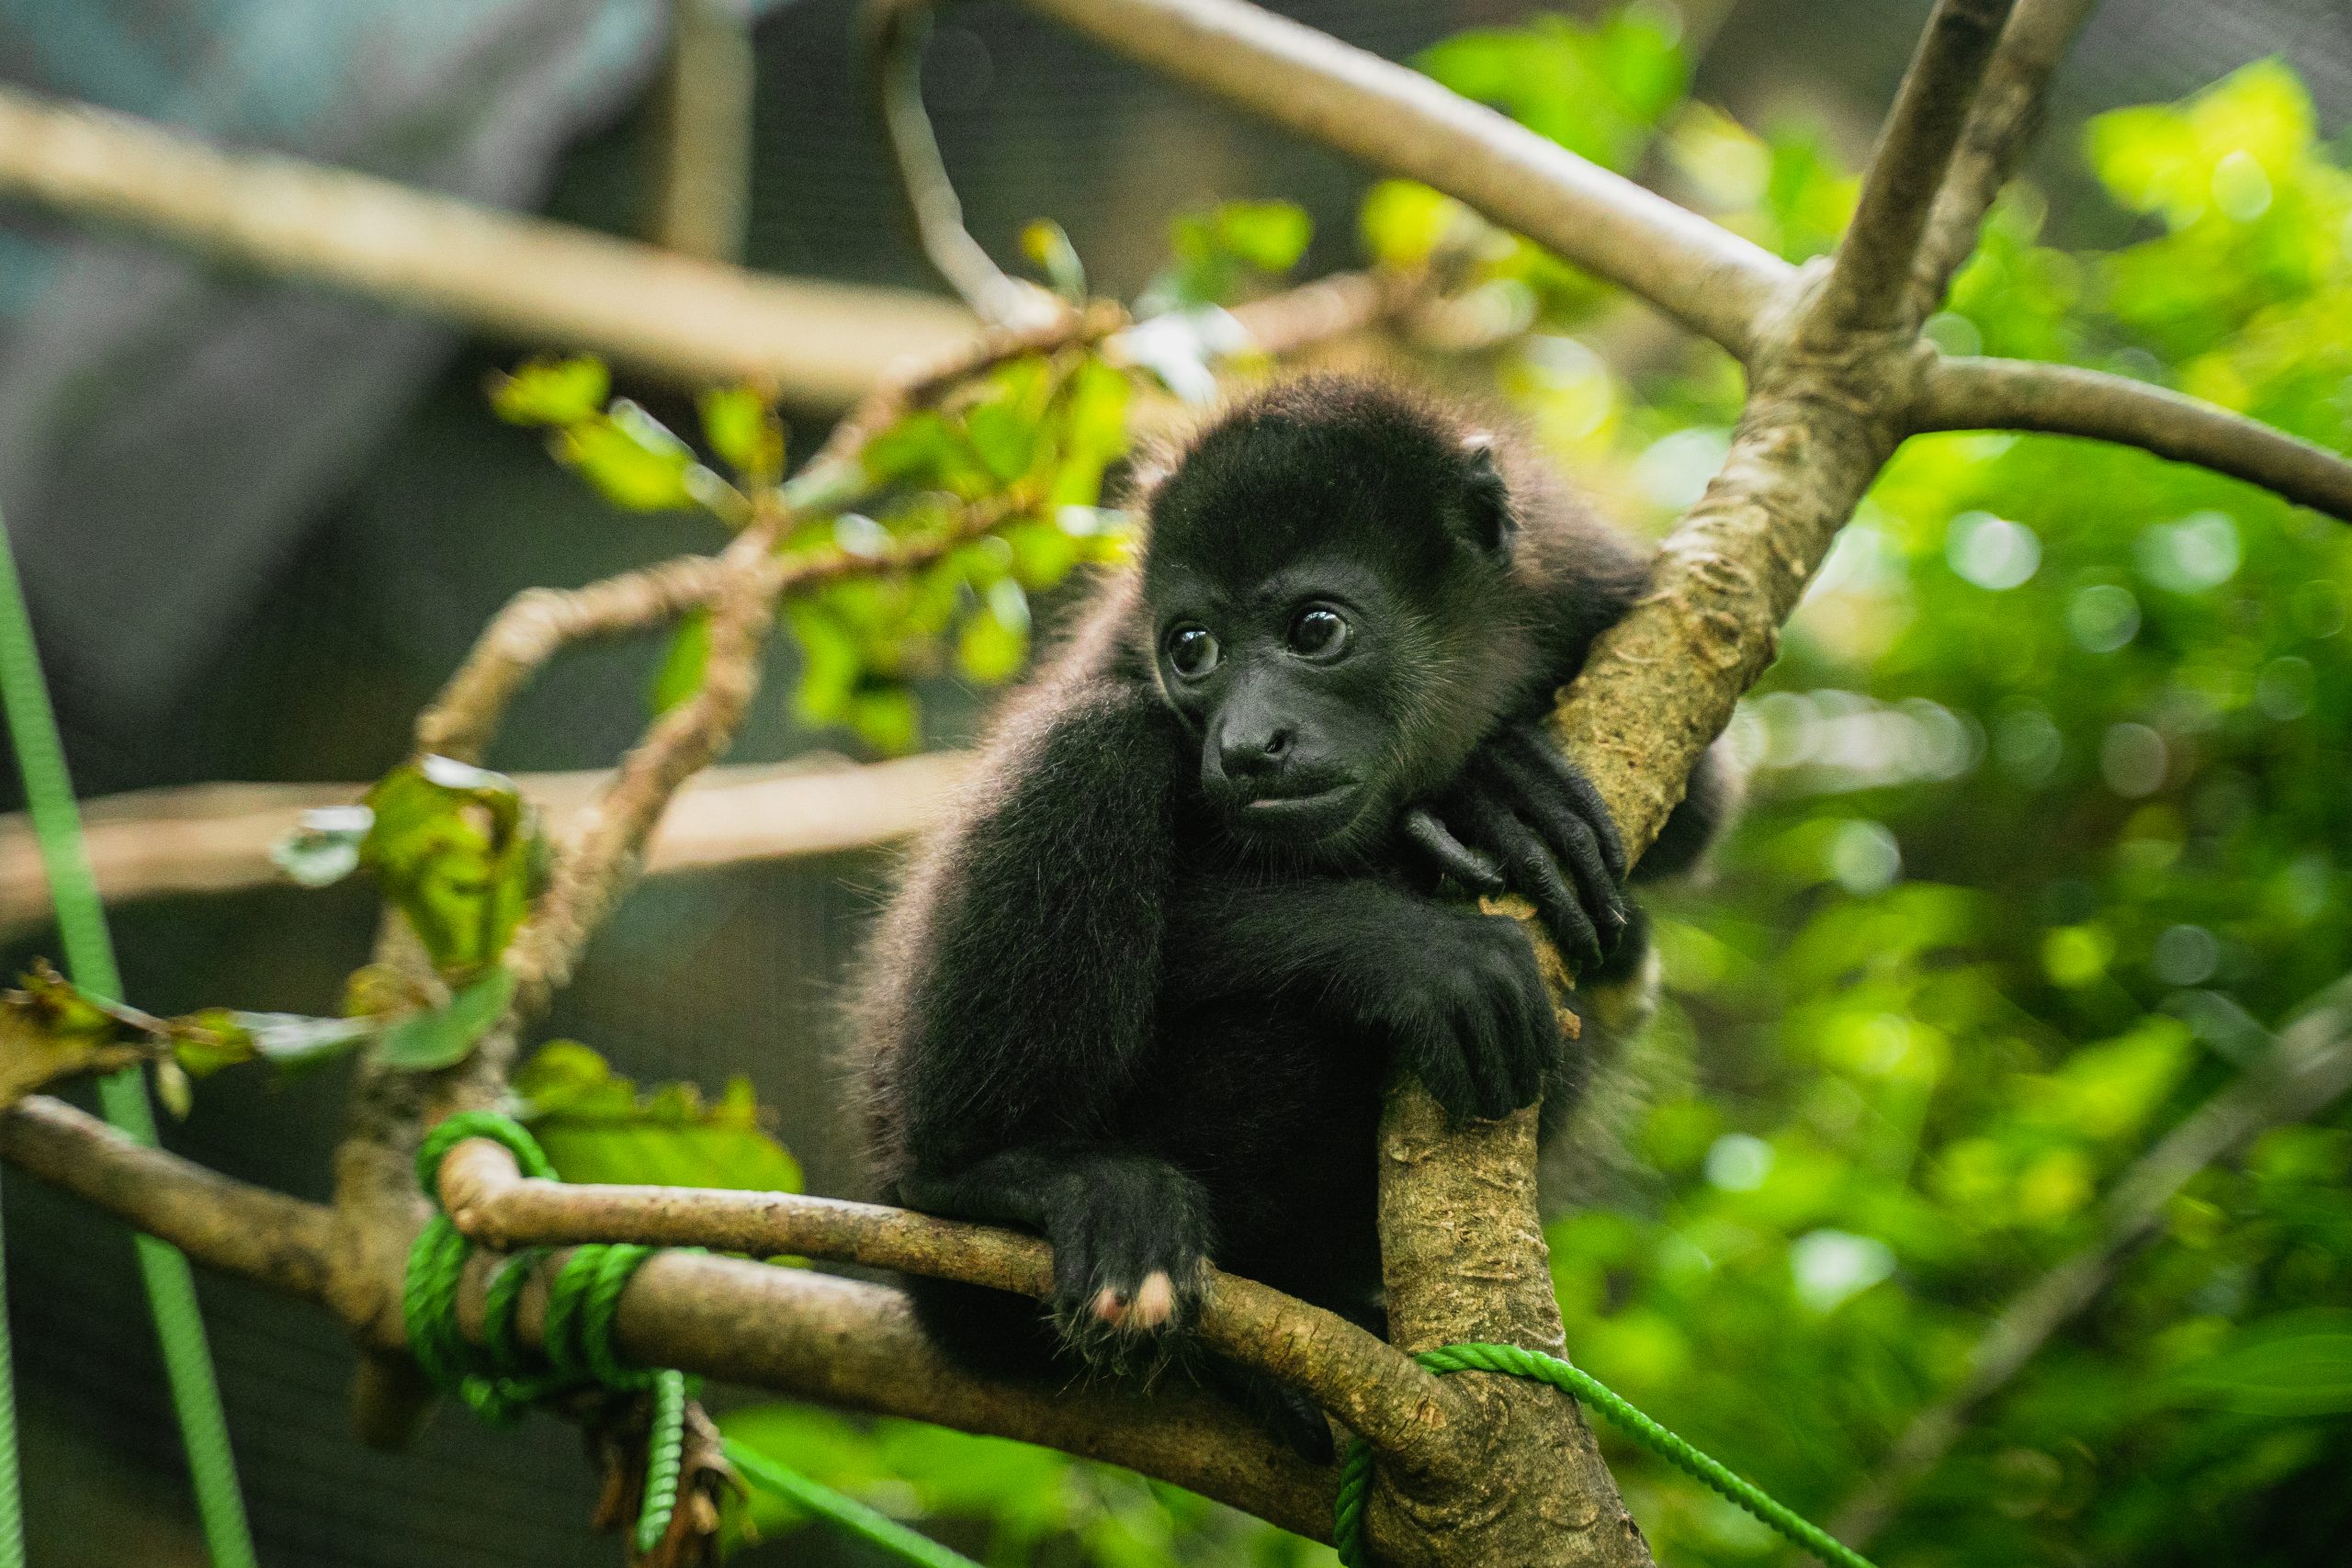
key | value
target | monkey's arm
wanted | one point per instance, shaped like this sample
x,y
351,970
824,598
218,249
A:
x,y
1028,978
1458,992
1522,818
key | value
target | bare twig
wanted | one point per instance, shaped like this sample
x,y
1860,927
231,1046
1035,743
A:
x,y
2000,127
1400,122
818,345
892,33
1968,393
702,152
1867,284
2307,1070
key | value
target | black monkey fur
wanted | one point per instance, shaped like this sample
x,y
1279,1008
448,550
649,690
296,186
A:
x,y
1141,994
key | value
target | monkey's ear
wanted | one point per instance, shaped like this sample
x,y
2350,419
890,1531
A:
x,y
1487,514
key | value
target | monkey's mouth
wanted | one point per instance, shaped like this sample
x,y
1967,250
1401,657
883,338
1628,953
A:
x,y
1316,814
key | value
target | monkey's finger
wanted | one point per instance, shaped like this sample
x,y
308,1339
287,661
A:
x,y
1571,840
1528,743
1484,1061
1451,855
1534,872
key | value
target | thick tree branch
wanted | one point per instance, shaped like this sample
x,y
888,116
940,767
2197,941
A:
x,y
1968,393
283,1242
818,345
1378,1392
1399,122
217,838
2307,1070
2001,125
1867,284
790,1330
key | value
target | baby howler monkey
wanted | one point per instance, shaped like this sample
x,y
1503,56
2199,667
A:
x,y
1141,994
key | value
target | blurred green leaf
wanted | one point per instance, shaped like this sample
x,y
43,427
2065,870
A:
x,y
742,428
447,1036
456,850
551,391
679,675
2294,1365
598,1126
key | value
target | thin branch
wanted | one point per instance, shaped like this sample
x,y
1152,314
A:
x,y
2000,127
537,623
818,345
892,34
1968,393
1377,1390
2307,1070
1868,280
1399,122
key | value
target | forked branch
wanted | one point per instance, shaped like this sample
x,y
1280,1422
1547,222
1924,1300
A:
x,y
1868,280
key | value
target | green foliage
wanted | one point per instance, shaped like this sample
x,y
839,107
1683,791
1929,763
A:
x,y
1007,1502
455,851
2047,838
598,1126
1222,253
1598,89
1022,454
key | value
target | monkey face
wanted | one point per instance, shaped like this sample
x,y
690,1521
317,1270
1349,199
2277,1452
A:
x,y
1300,687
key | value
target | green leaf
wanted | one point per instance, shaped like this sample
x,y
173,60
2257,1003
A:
x,y
457,851
886,718
225,1038
920,449
1043,241
323,849
741,427
1006,438
551,391
596,1126
632,460
50,1029
680,673
1268,235
447,1036
994,642
2295,1365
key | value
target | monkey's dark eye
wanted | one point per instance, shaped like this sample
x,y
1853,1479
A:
x,y
1319,632
1192,650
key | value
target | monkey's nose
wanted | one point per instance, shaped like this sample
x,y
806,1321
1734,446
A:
x,y
1255,756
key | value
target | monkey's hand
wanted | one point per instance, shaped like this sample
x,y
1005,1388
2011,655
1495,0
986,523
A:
x,y
1523,818
1463,1000
1130,1234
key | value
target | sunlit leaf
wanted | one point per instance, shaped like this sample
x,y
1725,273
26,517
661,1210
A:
x,y
551,391
598,1126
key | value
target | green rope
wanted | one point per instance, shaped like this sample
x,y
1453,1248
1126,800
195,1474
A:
x,y
499,1380
89,957
847,1512
1355,1475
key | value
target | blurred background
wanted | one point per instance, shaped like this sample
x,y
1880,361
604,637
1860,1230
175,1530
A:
x,y
2049,839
